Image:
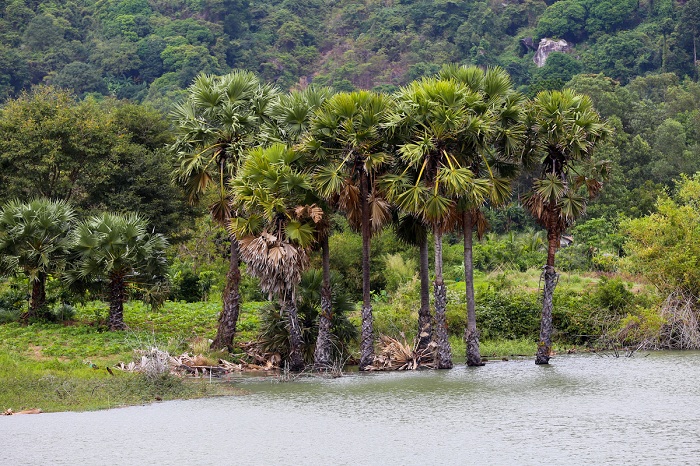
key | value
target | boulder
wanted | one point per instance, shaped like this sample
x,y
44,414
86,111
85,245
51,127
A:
x,y
546,47
527,44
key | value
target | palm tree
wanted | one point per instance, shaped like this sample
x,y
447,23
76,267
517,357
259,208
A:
x,y
347,137
34,238
220,119
564,128
412,230
293,114
277,231
115,250
494,162
440,121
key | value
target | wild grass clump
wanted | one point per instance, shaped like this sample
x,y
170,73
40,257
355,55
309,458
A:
x,y
55,385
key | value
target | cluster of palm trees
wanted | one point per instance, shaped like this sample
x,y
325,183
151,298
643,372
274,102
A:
x,y
429,158
44,238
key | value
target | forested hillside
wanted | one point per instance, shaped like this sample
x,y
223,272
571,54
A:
x,y
148,50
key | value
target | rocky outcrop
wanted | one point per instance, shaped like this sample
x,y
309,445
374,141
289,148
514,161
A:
x,y
546,47
527,45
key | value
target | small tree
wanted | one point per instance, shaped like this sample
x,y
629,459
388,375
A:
x,y
113,250
34,238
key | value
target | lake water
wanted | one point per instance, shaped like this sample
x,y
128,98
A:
x,y
582,409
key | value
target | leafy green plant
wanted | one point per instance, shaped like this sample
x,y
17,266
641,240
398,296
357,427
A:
x,y
274,336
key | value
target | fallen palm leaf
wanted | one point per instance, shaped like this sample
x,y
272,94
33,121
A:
x,y
400,356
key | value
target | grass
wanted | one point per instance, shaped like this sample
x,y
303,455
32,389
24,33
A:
x,y
55,385
50,365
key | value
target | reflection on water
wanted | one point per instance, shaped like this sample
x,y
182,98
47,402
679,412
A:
x,y
579,410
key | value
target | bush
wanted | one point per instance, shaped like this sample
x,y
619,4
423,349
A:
x,y
62,312
509,314
612,294
187,287
274,336
398,271
12,303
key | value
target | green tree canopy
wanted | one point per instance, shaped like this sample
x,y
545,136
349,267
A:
x,y
34,239
115,250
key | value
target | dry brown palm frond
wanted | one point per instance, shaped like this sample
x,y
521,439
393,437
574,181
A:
x,y
314,212
400,356
448,222
380,212
349,202
277,263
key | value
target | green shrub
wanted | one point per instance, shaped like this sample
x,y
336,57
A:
x,y
398,271
187,288
274,336
12,303
613,295
510,314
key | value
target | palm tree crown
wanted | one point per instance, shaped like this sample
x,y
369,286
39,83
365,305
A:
x,y
117,249
34,238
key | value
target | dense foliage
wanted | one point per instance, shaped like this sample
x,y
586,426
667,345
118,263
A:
x,y
151,50
451,141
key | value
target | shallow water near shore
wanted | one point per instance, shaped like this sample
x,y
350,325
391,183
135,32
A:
x,y
581,409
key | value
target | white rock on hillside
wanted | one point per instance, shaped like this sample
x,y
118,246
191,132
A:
x,y
548,46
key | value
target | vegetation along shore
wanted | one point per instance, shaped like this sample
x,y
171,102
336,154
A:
x,y
188,194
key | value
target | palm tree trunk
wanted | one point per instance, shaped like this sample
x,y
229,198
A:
x,y
117,295
425,330
231,300
444,352
367,343
322,354
544,346
38,298
471,334
296,357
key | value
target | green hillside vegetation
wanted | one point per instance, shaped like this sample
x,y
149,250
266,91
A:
x,y
150,50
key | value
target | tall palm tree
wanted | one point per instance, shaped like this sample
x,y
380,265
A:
x,y
293,114
348,140
34,238
440,121
412,230
117,249
564,128
277,230
221,118
494,162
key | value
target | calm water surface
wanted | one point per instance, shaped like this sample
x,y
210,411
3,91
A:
x,y
579,410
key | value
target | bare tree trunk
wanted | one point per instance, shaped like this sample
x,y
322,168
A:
x,y
231,298
425,320
117,295
296,356
444,351
322,354
38,297
367,343
544,346
471,333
